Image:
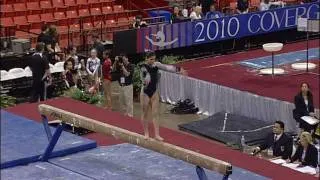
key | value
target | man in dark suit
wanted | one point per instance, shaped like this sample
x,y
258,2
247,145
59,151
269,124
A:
x,y
280,143
39,66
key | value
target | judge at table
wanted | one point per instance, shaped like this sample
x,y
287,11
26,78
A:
x,y
306,153
303,102
280,143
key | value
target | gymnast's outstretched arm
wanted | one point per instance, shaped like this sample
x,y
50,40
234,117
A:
x,y
166,67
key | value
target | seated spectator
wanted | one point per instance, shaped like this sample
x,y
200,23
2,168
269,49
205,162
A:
x,y
185,13
139,23
196,14
306,153
176,16
266,5
212,14
242,6
280,143
68,73
303,102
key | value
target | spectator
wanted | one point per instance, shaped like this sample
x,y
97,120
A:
x,y
196,14
280,143
72,53
185,13
98,46
83,82
125,71
242,6
206,5
106,71
176,16
303,102
39,66
68,73
266,5
53,46
43,36
139,23
93,65
213,14
306,153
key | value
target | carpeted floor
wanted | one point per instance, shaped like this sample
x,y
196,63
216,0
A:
x,y
226,71
209,148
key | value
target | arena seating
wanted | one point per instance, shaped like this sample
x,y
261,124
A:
x,y
19,18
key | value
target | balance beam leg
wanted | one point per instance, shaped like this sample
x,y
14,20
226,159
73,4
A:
x,y
52,143
46,127
201,173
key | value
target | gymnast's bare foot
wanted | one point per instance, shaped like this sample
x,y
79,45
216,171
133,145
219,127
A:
x,y
146,136
159,138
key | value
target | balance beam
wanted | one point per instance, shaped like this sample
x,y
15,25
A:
x,y
137,139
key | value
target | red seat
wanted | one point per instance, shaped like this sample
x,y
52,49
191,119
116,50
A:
x,y
123,21
118,8
88,26
72,14
94,3
45,5
75,27
62,29
20,9
107,10
58,4
20,20
35,18
59,16
7,22
70,3
35,31
82,2
111,23
84,13
23,35
47,17
95,11
5,8
33,6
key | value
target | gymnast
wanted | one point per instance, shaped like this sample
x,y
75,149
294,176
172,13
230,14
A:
x,y
149,97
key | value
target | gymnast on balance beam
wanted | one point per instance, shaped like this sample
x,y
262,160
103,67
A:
x,y
149,97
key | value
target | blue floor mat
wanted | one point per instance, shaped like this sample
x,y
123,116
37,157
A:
x,y
24,140
40,171
281,59
130,162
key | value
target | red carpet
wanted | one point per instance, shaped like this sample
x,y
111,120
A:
x,y
209,148
224,71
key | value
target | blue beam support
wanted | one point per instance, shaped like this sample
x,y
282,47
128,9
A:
x,y
46,126
46,155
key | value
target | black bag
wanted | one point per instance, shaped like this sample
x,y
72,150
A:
x,y
184,107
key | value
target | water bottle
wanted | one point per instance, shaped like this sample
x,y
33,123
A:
x,y
243,143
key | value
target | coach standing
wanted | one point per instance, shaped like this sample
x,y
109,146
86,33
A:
x,y
39,66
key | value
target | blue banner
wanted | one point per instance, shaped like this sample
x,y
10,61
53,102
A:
x,y
230,27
